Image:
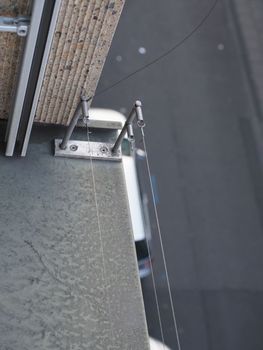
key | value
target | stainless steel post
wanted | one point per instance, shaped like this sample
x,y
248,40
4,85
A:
x,y
136,111
130,133
123,131
138,108
70,128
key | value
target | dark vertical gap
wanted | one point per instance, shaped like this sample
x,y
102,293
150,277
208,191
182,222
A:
x,y
35,68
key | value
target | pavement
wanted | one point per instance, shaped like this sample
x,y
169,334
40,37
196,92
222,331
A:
x,y
203,136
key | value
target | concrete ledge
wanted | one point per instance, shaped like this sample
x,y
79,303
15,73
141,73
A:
x,y
65,281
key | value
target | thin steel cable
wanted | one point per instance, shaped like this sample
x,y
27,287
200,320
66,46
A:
x,y
155,293
100,233
161,243
163,55
147,243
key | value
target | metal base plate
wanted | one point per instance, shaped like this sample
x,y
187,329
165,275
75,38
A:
x,y
86,150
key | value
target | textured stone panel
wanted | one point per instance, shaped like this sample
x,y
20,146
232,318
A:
x,y
82,38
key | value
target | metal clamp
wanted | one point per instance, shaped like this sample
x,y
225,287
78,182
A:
x,y
18,25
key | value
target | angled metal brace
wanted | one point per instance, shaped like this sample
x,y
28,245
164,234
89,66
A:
x,y
127,128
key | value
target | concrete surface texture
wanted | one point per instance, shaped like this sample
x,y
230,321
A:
x,y
67,281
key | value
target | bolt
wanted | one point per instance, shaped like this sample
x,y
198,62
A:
x,y
104,149
141,123
73,148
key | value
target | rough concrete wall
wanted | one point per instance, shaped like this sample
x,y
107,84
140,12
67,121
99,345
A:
x,y
11,47
81,42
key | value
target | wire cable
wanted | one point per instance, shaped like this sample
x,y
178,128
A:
x,y
161,243
163,55
155,293
110,87
100,237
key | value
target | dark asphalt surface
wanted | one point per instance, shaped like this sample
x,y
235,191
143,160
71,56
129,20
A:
x,y
203,154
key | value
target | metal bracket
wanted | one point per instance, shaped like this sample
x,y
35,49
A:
x,y
127,127
87,150
18,25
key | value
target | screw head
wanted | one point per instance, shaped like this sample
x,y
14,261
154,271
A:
x,y
104,149
73,148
